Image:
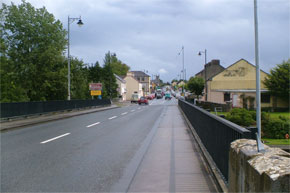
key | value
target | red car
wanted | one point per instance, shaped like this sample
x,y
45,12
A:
x,y
143,100
149,97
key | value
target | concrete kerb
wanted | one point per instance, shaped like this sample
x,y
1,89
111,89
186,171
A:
x,y
50,117
221,185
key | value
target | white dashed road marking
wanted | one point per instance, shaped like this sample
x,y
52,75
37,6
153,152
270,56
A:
x,y
49,140
124,113
93,124
113,117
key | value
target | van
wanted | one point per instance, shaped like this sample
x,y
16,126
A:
x,y
135,97
159,94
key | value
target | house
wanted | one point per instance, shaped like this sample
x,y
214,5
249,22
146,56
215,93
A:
x,y
181,83
210,70
174,83
237,85
121,87
144,79
132,86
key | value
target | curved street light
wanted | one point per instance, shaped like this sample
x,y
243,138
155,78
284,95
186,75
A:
x,y
80,23
200,53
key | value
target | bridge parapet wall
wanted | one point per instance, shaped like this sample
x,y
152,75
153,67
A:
x,y
253,171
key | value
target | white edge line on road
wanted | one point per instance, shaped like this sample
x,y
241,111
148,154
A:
x,y
124,113
113,117
132,110
93,124
54,138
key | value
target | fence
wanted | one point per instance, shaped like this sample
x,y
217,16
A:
x,y
30,108
215,133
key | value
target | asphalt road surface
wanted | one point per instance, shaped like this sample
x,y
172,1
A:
x,y
87,153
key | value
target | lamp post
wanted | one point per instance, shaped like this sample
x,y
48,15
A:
x,y
182,50
80,23
258,92
205,77
182,71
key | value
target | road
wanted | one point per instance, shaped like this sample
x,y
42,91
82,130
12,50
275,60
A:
x,y
87,153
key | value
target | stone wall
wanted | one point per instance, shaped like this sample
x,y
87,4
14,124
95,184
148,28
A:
x,y
252,171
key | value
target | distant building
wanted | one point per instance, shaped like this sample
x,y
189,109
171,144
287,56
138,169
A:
x,y
144,79
181,83
121,87
237,85
210,70
132,86
174,83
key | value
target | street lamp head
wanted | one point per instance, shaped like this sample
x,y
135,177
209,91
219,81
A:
x,y
80,23
199,53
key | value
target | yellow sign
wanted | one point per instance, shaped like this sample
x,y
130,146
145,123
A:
x,y
96,92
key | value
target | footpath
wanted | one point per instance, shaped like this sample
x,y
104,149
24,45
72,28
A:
x,y
36,119
172,162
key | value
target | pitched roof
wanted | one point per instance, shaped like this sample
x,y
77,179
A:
x,y
242,59
140,74
119,78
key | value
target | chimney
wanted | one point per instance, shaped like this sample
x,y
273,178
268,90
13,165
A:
x,y
215,62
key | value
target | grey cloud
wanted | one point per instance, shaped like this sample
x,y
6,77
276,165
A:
x,y
148,34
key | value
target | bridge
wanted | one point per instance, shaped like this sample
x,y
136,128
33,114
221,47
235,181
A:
x,y
166,146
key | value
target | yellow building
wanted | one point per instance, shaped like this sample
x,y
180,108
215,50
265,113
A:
x,y
237,84
133,86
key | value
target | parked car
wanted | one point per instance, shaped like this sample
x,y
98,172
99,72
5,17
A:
x,y
143,100
149,97
167,96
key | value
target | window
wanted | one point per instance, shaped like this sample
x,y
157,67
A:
x,y
143,79
265,98
227,96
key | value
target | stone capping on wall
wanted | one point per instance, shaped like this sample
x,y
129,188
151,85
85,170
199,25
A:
x,y
252,171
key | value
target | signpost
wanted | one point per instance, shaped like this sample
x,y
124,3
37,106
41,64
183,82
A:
x,y
95,86
96,92
96,89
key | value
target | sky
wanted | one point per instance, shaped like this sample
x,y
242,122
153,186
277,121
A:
x,y
148,35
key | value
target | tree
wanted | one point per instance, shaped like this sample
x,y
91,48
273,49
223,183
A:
x,y
278,81
95,73
195,85
109,80
118,67
79,80
174,80
33,49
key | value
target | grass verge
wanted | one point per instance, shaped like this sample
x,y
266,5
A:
x,y
276,141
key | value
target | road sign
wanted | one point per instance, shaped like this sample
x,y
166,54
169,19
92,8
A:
x,y
96,92
95,86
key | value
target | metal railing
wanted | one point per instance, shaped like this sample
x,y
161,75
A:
x,y
30,108
215,133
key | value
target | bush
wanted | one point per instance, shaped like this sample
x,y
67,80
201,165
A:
x,y
241,117
274,128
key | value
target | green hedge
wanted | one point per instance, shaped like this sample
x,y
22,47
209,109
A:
x,y
274,128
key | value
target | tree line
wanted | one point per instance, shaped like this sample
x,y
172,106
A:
x,y
33,65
